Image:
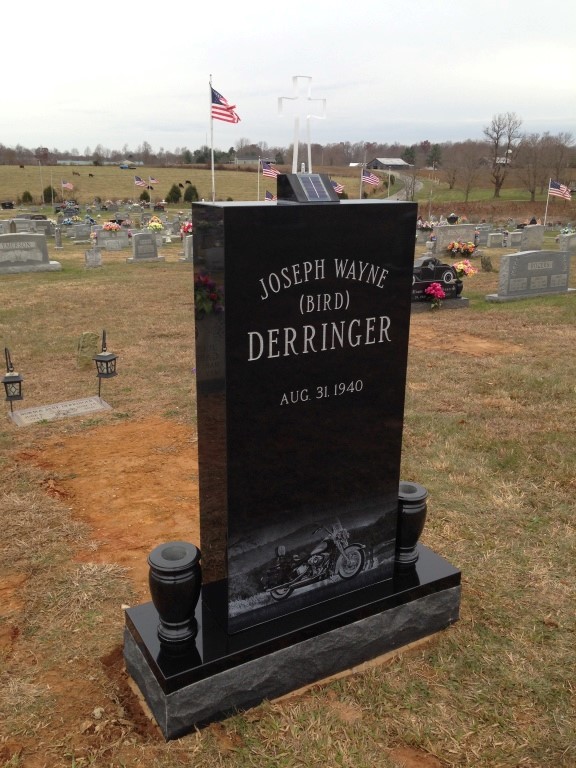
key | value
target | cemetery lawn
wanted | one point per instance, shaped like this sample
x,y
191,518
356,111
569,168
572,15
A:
x,y
489,430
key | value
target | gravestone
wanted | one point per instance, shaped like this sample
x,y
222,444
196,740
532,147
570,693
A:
x,y
532,273
58,237
482,237
93,258
449,232
144,248
82,407
45,227
532,237
495,240
25,252
567,242
302,328
115,240
4,227
80,233
188,248
515,239
87,349
23,225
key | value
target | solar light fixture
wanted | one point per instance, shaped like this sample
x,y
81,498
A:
x,y
12,381
105,363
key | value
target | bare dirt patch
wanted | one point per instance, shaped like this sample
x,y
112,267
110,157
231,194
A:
x,y
135,484
426,336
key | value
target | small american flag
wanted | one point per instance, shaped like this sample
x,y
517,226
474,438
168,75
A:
x,y
67,185
338,188
139,182
270,197
560,190
268,170
221,110
370,178
152,180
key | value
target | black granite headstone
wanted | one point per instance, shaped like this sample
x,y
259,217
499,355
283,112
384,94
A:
x,y
302,337
302,322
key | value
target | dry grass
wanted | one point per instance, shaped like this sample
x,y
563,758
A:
x,y
492,438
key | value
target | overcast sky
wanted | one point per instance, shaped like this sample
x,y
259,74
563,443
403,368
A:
x,y
75,75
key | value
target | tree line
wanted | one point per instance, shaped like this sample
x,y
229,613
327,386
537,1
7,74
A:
x,y
531,158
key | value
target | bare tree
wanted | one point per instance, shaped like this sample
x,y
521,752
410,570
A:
x,y
530,159
469,155
503,134
451,164
560,154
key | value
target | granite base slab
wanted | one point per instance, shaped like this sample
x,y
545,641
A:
x,y
497,299
144,260
51,266
224,674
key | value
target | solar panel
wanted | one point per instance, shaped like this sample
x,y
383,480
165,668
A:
x,y
314,188
305,188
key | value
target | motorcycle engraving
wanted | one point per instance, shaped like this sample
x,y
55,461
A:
x,y
333,557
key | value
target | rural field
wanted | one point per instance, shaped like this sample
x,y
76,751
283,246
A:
x,y
489,431
112,183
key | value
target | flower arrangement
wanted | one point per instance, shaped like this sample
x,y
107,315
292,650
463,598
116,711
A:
x,y
94,236
186,228
111,226
208,297
436,293
457,246
464,269
155,225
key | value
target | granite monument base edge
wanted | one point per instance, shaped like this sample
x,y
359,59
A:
x,y
290,668
143,260
495,298
51,266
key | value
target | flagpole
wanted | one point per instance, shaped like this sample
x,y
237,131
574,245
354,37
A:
x,y
212,145
41,184
259,170
361,174
547,199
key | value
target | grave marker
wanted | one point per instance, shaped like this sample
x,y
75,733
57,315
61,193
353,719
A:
x,y
87,349
495,240
25,252
302,326
144,248
188,248
532,273
93,258
449,232
25,416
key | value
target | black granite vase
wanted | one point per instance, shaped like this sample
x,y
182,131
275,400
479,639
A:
x,y
412,511
459,287
175,580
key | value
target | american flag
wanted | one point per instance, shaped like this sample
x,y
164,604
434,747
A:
x,y
139,182
270,197
221,110
338,188
560,190
267,170
152,180
67,185
370,178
